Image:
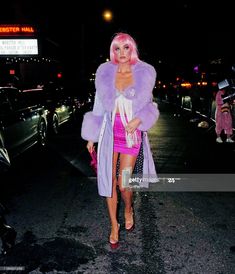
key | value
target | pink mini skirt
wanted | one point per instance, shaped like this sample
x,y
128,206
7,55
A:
x,y
119,134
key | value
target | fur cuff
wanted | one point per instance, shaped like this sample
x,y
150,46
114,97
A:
x,y
148,116
91,126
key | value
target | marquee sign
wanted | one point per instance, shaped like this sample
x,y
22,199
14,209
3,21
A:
x,y
18,46
18,40
9,30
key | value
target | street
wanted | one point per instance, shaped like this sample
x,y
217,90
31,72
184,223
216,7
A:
x,y
62,223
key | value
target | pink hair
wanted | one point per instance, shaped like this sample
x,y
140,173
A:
x,y
124,38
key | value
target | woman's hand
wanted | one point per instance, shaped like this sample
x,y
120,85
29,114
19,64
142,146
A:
x,y
132,125
90,146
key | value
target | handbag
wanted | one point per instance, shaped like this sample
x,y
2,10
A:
x,y
4,160
93,162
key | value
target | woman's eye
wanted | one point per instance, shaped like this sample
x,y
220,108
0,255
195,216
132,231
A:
x,y
117,49
126,47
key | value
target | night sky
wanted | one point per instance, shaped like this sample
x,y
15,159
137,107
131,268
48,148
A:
x,y
182,32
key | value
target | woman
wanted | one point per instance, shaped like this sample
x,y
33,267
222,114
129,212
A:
x,y
123,112
223,118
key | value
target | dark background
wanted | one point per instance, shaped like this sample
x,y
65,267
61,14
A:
x,y
181,34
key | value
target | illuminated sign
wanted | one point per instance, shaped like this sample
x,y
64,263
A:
x,y
16,30
18,46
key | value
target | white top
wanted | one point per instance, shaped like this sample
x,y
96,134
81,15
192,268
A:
x,y
125,109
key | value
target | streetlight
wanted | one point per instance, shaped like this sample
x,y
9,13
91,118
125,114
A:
x,y
107,15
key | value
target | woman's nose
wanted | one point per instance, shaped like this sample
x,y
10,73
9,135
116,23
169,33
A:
x,y
122,51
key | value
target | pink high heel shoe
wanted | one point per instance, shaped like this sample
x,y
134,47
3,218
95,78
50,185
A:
x,y
113,242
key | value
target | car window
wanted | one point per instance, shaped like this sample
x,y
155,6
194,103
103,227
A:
x,y
33,97
9,96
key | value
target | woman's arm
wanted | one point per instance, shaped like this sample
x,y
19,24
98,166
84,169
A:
x,y
219,99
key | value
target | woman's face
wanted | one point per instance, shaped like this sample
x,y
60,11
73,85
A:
x,y
122,52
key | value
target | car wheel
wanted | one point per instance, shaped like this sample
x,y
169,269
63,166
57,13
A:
x,y
55,124
42,133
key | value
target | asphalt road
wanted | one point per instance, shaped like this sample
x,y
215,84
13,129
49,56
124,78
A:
x,y
62,224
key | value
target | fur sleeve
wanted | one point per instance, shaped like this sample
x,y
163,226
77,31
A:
x,y
145,78
144,107
92,122
148,115
91,126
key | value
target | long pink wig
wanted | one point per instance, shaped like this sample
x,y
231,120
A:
x,y
127,39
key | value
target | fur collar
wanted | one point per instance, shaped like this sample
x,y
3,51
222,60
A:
x,y
140,92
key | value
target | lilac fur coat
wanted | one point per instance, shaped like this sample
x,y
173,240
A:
x,y
97,124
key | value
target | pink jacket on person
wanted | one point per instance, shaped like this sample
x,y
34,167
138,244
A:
x,y
223,120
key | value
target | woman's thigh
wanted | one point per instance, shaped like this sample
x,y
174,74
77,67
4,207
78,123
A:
x,y
114,166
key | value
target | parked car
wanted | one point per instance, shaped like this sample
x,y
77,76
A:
x,y
22,122
60,107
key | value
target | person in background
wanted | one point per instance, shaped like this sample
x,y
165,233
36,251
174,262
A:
x,y
122,114
223,117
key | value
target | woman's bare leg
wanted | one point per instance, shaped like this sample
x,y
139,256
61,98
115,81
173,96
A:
x,y
127,162
112,202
